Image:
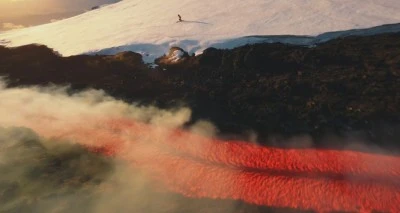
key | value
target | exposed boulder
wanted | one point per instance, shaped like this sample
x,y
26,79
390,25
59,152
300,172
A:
x,y
174,56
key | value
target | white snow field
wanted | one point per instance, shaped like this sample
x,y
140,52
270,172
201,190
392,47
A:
x,y
149,27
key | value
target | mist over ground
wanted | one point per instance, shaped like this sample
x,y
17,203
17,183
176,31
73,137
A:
x,y
42,173
267,127
46,166
28,13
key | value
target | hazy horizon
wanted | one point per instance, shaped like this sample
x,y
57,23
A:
x,y
23,13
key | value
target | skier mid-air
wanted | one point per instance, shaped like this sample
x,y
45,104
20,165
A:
x,y
180,18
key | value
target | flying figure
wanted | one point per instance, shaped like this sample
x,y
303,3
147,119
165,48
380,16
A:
x,y
180,18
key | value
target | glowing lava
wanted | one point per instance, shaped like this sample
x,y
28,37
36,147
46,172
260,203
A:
x,y
321,180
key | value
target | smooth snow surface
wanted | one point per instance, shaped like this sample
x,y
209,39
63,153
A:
x,y
150,27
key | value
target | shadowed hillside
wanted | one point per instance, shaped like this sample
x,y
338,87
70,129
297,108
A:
x,y
344,85
347,86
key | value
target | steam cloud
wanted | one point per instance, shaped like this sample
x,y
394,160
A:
x,y
44,169
11,26
49,138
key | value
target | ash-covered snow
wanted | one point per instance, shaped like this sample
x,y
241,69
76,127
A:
x,y
150,27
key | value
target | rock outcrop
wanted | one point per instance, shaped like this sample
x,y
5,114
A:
x,y
175,55
347,84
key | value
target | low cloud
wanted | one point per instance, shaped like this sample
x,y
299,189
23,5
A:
x,y
11,26
46,169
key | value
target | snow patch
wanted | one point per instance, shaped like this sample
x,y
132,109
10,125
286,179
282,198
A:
x,y
176,55
150,28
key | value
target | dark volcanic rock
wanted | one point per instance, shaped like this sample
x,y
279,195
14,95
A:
x,y
131,58
211,57
347,84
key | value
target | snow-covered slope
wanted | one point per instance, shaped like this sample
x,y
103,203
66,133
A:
x,y
150,28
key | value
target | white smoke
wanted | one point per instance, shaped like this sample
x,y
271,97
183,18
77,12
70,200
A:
x,y
42,172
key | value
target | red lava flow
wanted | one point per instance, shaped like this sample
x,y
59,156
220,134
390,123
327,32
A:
x,y
195,166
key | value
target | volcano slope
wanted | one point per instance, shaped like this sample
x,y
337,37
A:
x,y
138,26
151,142
198,167
345,85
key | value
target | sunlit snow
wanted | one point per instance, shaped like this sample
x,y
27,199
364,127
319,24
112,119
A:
x,y
151,28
